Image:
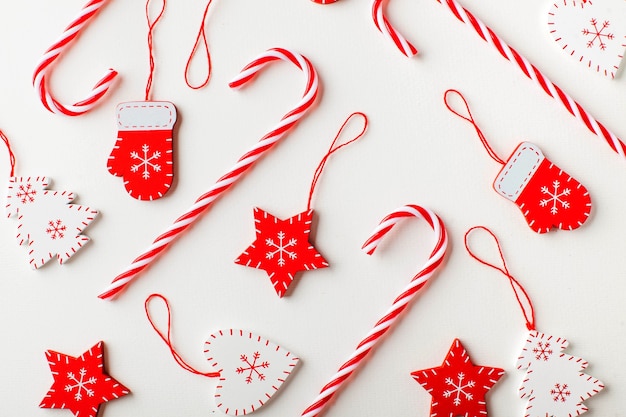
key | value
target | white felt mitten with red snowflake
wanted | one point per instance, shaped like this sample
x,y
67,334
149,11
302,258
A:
x,y
554,384
143,152
547,196
47,222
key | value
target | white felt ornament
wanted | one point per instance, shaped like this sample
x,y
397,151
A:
x,y
47,222
251,369
593,32
554,384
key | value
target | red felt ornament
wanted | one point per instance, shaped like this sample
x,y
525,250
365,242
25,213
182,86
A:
x,y
554,384
143,154
282,247
458,387
547,196
80,383
47,222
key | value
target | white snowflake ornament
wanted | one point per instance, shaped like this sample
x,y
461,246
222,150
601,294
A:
x,y
554,384
591,31
252,369
48,223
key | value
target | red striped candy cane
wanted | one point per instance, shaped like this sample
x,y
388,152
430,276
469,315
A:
x,y
323,1
383,25
399,305
44,67
243,165
534,74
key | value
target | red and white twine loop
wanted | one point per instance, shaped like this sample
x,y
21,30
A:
x,y
399,305
44,67
383,25
534,74
243,165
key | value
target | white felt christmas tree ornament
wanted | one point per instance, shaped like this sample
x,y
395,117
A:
x,y
47,222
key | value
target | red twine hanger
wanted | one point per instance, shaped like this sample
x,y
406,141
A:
x,y
469,118
151,25
5,139
168,338
333,149
200,39
527,309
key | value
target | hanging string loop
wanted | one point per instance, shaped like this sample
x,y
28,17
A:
x,y
469,118
203,45
333,149
526,304
151,25
167,338
5,139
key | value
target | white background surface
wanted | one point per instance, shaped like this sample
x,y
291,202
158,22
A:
x,y
414,152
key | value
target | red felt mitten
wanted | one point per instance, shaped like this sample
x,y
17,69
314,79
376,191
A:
x,y
547,195
143,152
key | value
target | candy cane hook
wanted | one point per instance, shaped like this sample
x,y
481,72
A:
x,y
243,165
44,67
383,25
399,305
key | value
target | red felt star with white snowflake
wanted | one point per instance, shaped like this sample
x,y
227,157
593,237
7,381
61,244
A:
x,y
458,387
282,248
80,384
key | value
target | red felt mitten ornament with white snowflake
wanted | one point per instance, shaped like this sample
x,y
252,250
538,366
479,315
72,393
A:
x,y
546,195
250,368
458,387
47,221
143,154
282,247
591,31
80,383
554,384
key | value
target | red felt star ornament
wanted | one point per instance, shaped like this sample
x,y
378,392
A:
x,y
282,248
458,387
80,384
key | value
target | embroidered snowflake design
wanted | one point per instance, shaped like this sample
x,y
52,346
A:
x,y
56,229
459,389
146,161
560,393
542,351
555,197
26,193
281,248
80,384
252,368
597,34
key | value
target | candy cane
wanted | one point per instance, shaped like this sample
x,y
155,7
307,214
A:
x,y
42,72
534,74
243,165
323,1
399,305
383,25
